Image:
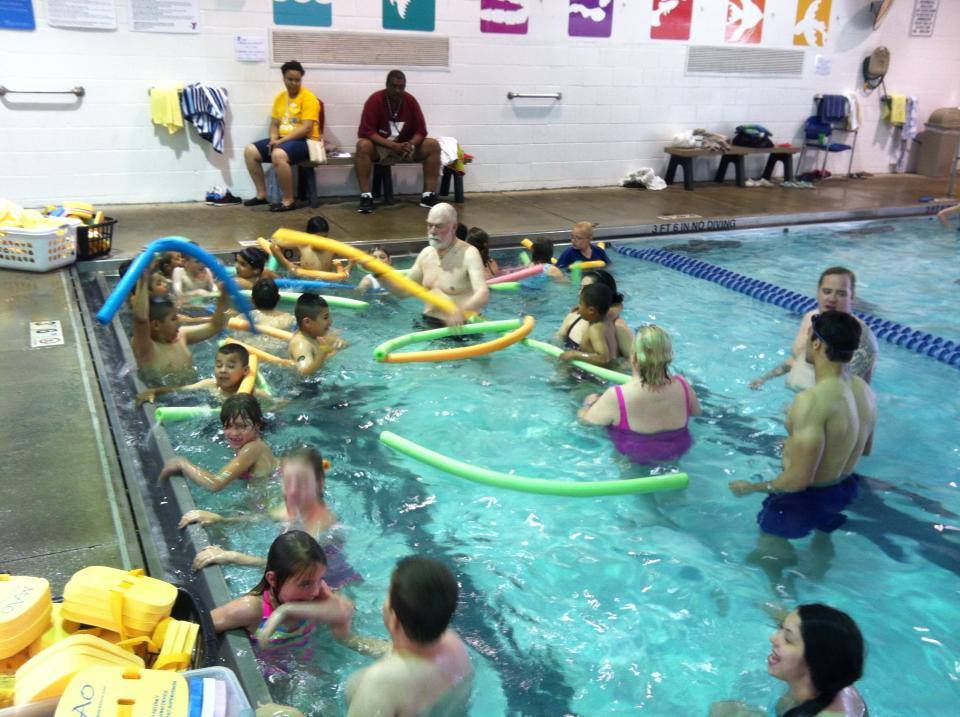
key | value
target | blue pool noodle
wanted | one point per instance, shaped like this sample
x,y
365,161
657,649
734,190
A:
x,y
123,288
310,284
920,342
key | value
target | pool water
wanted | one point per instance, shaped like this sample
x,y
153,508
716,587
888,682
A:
x,y
628,603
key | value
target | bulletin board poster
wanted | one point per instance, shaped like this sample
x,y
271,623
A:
x,y
504,17
17,15
306,13
82,14
671,19
744,21
416,15
173,16
590,18
812,24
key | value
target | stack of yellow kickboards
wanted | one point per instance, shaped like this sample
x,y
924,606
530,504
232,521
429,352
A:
x,y
111,625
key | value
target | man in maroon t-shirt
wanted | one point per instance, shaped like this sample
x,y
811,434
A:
x,y
392,129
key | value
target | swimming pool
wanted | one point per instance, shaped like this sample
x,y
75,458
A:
x,y
609,605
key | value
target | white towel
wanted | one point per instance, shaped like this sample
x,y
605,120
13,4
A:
x,y
448,149
853,110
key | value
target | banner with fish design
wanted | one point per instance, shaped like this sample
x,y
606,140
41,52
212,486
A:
x,y
670,19
813,22
590,18
308,13
419,15
504,17
745,21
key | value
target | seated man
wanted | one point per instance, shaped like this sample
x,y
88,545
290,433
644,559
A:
x,y
392,129
451,268
835,291
297,117
428,670
581,248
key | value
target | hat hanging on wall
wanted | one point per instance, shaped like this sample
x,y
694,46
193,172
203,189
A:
x,y
875,68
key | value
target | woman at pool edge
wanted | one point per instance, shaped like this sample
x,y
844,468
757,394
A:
x,y
647,417
818,651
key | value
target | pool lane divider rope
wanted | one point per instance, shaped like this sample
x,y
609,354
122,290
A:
x,y
542,486
898,334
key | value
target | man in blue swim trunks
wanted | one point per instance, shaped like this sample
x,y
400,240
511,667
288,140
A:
x,y
830,426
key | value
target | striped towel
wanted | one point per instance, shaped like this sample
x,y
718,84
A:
x,y
206,107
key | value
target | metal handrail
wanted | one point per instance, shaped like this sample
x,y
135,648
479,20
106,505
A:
x,y
536,95
78,91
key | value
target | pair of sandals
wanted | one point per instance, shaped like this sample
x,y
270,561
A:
x,y
278,207
859,175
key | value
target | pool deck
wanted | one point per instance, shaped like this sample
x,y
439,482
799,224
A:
x,y
63,503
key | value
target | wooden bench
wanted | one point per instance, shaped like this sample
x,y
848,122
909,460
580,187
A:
x,y
683,157
381,184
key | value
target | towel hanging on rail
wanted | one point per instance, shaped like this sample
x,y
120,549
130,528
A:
x,y
206,107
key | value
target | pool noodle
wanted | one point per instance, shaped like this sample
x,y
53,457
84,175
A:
x,y
129,280
523,273
598,371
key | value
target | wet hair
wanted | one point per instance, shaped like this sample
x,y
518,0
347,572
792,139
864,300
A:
x,y
478,238
292,65
423,596
597,296
380,247
160,308
841,271
265,294
255,257
318,225
839,331
602,276
396,75
309,306
164,263
462,232
653,352
541,251
232,349
312,457
241,405
123,267
585,226
833,650
290,554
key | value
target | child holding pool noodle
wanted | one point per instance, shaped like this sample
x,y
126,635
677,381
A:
x,y
243,423
599,344
231,365
313,343
252,266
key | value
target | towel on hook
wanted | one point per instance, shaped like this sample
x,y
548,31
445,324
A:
x,y
206,107
895,109
832,108
853,111
165,108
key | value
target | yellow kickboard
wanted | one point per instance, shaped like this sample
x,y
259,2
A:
x,y
125,692
24,612
128,603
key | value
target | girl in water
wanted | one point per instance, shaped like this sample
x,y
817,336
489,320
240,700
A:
x,y
573,329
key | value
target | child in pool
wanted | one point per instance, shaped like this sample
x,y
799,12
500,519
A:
x,y
371,282
230,366
291,599
541,252
242,422
302,477
192,279
252,266
313,343
480,240
573,328
158,285
265,296
599,343
293,256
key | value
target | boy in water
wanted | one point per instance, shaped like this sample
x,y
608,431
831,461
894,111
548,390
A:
x,y
428,670
230,366
160,346
313,343
252,266
266,296
599,345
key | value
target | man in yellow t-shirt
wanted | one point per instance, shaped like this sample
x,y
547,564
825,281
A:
x,y
297,117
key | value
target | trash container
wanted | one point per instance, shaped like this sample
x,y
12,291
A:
x,y
938,143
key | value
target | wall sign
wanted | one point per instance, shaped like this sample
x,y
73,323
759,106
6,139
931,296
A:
x,y
409,15
813,21
590,18
745,21
670,19
309,13
175,16
504,17
924,18
17,15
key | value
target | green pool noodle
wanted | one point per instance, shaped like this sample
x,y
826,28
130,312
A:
x,y
506,286
168,414
598,371
480,327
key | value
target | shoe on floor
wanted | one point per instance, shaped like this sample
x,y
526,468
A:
x,y
225,200
366,204
281,207
255,202
429,201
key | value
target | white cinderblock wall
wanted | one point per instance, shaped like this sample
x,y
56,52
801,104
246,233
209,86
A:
x,y
623,97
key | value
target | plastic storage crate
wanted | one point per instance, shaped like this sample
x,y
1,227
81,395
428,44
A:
x,y
237,703
37,249
94,240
